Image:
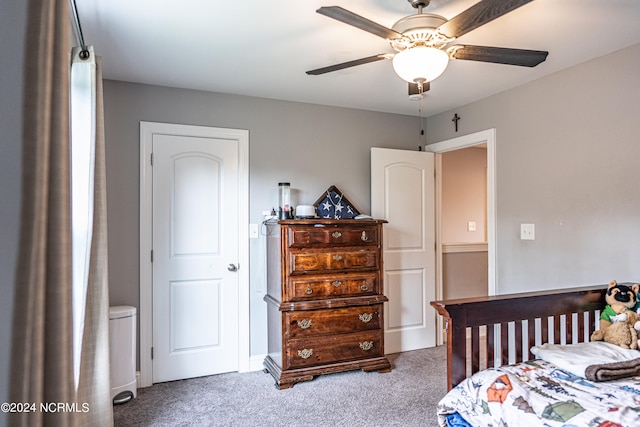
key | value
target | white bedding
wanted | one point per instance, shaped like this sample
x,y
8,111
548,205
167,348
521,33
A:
x,y
575,358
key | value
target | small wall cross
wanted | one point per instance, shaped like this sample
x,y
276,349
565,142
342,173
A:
x,y
455,120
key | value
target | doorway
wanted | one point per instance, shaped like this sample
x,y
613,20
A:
x,y
463,213
488,138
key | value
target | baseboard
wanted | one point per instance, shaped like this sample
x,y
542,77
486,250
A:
x,y
256,363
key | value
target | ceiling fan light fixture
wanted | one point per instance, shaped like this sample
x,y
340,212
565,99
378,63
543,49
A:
x,y
420,63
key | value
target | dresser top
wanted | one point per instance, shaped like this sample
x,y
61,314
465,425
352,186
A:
x,y
321,221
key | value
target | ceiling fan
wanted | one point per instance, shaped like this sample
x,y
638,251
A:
x,y
423,41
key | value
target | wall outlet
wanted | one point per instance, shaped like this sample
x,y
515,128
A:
x,y
527,232
471,226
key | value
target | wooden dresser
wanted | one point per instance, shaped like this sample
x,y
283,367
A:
x,y
324,298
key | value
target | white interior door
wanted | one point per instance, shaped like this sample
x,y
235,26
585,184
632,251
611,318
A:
x,y
402,192
195,256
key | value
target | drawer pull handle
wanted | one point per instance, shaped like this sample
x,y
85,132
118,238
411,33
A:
x,y
336,234
364,236
308,291
366,345
307,352
337,257
366,317
364,286
336,283
305,323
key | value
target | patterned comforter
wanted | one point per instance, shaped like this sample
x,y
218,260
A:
x,y
537,393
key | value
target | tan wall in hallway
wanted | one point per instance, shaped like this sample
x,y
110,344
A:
x,y
464,274
464,195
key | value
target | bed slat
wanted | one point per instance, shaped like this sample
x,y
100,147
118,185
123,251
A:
x,y
556,329
490,346
568,324
518,340
531,330
504,338
581,337
475,349
544,329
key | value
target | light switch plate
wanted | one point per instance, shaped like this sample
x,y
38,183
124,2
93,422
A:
x,y
527,232
253,231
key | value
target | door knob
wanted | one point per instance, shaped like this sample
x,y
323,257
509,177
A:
x,y
232,267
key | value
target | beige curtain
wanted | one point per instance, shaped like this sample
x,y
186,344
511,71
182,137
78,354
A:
x,y
42,364
42,348
94,386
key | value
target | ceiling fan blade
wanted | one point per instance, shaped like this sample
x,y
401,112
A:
x,y
498,55
348,64
413,88
477,15
343,15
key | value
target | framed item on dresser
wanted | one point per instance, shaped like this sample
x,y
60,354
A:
x,y
334,205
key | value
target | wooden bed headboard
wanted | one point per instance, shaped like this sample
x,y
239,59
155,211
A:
x,y
479,328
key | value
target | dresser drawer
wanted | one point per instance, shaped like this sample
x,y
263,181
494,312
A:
x,y
334,286
309,236
330,349
301,262
299,324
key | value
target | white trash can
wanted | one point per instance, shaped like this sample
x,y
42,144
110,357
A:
x,y
122,352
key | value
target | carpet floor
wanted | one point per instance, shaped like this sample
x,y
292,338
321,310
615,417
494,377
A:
x,y
406,396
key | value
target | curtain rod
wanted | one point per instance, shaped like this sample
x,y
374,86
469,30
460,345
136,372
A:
x,y
84,53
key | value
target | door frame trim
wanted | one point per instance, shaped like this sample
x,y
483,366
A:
x,y
145,315
489,137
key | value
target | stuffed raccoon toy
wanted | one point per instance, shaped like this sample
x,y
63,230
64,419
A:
x,y
619,321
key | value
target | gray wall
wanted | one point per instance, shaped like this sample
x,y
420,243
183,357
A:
x,y
311,146
568,156
12,25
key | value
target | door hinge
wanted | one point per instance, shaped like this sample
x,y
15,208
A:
x,y
152,255
151,353
151,159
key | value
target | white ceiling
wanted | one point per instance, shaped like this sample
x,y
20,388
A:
x,y
264,48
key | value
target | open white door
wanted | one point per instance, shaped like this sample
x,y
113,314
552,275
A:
x,y
402,192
